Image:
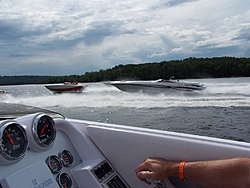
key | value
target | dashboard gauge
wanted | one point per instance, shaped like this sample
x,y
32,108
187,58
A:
x,y
66,158
13,140
54,164
44,130
64,180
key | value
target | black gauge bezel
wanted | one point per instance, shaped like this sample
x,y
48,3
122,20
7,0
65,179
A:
x,y
58,179
24,135
48,160
35,130
71,158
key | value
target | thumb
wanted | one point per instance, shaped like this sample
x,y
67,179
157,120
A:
x,y
144,175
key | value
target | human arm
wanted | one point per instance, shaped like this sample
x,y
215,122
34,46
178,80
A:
x,y
222,173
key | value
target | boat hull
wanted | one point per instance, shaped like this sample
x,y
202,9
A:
x,y
156,86
65,88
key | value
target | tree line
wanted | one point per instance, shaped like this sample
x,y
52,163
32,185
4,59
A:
x,y
217,67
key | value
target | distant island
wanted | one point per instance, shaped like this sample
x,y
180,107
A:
x,y
190,68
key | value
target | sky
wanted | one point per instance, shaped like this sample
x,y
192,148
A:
x,y
65,37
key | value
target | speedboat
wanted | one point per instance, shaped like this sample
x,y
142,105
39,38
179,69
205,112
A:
x,y
3,92
154,86
66,87
45,149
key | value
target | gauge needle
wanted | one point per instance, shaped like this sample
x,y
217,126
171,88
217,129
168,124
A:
x,y
65,184
11,140
43,129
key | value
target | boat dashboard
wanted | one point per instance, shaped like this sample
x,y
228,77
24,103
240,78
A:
x,y
38,151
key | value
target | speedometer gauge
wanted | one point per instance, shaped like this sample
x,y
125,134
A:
x,y
44,130
13,141
64,180
54,164
66,158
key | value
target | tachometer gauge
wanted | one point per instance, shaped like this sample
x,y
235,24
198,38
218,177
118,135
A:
x,y
44,130
13,141
54,164
66,158
64,180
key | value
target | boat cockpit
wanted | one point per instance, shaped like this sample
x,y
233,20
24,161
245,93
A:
x,y
44,150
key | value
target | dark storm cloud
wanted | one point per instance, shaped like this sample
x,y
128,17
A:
x,y
14,30
98,30
243,34
171,3
179,2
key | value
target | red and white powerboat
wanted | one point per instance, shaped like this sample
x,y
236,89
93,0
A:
x,y
66,87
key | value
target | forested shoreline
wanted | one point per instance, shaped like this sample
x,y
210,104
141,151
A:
x,y
217,67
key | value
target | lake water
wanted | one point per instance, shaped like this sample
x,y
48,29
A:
x,y
222,110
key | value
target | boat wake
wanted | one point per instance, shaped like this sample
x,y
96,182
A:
x,y
99,95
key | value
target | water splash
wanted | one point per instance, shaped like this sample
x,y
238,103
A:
x,y
219,92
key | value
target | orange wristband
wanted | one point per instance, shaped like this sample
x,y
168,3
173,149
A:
x,y
181,170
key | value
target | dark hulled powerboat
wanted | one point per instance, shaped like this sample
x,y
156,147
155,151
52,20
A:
x,y
154,86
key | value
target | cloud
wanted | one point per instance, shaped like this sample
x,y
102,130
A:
x,y
99,30
62,37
